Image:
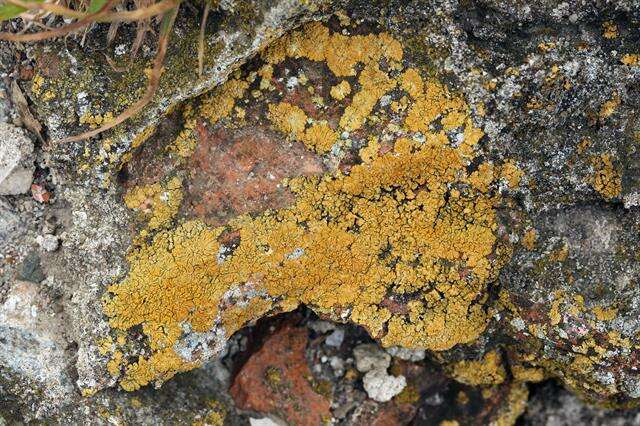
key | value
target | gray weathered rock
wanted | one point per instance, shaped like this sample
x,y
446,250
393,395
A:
x,y
370,357
33,351
16,160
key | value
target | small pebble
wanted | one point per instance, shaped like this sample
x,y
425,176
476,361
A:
x,y
265,421
337,364
412,355
48,242
335,339
381,386
371,357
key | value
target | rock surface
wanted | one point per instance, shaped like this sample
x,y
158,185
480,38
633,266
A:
x,y
456,182
277,380
16,160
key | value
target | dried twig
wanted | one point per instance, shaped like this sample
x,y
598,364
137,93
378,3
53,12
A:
x,y
49,7
143,13
203,24
116,16
57,32
20,102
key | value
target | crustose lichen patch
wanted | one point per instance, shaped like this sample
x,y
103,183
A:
x,y
402,239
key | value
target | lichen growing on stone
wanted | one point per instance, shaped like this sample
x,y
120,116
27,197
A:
x,y
486,371
403,243
157,203
221,101
341,90
606,179
289,119
515,406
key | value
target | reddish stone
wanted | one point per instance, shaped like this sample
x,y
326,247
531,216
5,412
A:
x,y
394,306
370,413
276,380
40,194
241,171
48,65
25,73
150,163
388,415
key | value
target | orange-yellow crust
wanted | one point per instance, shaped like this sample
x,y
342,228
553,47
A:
x,y
411,224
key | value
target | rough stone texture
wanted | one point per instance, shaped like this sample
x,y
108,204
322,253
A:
x,y
370,357
550,405
277,381
16,160
552,88
237,30
33,349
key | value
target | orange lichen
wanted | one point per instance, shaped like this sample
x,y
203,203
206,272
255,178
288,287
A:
x,y
482,178
161,365
609,30
529,239
412,83
434,101
374,84
511,173
609,107
185,143
184,249
584,145
524,374
487,371
157,203
320,137
221,101
587,353
369,152
342,53
546,46
631,59
287,118
143,136
606,179
266,74
113,366
401,223
341,90
36,84
95,120
555,315
604,314
514,407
